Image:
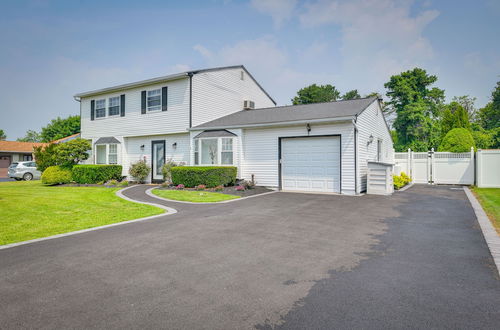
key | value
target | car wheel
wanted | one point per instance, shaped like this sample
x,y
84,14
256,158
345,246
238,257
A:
x,y
28,177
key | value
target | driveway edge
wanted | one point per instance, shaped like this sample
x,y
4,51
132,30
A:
x,y
150,194
489,232
169,210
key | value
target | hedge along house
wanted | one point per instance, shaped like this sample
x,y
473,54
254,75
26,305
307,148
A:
x,y
322,147
222,116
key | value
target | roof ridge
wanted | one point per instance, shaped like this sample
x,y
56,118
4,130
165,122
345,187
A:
x,y
306,104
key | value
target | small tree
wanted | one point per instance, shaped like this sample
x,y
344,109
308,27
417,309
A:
x,y
457,140
45,156
139,171
72,152
2,135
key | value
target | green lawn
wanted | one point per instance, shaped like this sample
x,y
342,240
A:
x,y
193,196
490,201
30,210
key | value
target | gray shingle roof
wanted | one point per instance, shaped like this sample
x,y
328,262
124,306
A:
x,y
291,113
107,140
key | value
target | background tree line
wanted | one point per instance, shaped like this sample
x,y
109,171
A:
x,y
419,116
56,129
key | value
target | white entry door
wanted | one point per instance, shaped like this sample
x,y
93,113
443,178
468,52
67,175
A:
x,y
310,164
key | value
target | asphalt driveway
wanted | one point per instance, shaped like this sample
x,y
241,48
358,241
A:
x,y
413,260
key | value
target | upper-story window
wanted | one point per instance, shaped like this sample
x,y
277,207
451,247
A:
x,y
100,108
114,106
154,100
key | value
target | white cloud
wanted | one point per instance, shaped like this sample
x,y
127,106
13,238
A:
x,y
379,37
279,10
179,68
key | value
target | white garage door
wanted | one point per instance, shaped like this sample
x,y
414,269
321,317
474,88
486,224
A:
x,y
310,164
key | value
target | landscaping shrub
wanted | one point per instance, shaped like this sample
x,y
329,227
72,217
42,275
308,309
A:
x,y
96,173
398,182
405,178
180,186
166,170
139,171
123,183
201,187
247,184
56,175
219,188
210,176
457,140
240,188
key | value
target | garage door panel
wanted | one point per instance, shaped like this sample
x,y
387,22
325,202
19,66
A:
x,y
311,164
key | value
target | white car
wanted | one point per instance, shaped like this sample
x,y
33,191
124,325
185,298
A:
x,y
24,171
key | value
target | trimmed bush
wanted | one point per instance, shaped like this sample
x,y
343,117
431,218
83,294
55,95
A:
x,y
210,176
457,140
139,171
96,173
56,175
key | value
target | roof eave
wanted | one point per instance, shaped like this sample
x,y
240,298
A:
x,y
282,123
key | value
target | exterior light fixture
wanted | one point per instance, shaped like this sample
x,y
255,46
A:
x,y
370,139
142,147
174,145
308,128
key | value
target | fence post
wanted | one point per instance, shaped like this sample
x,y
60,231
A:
x,y
430,167
476,164
410,164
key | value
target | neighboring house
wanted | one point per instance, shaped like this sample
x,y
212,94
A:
x,y
67,138
14,151
222,116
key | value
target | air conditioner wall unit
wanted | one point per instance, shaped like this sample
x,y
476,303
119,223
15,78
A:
x,y
247,105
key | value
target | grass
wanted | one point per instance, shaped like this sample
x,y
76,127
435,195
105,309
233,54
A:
x,y
193,196
30,210
490,201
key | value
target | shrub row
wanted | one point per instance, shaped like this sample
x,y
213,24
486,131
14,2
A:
x,y
81,174
210,176
400,180
96,173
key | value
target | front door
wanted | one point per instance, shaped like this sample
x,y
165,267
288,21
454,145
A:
x,y
158,159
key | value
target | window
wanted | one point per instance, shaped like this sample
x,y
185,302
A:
x,y
379,150
242,75
100,108
114,106
196,152
213,151
27,157
100,151
227,151
209,152
154,100
112,154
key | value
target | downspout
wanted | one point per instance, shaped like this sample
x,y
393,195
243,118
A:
x,y
355,154
190,74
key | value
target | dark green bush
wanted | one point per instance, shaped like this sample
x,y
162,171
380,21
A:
x,y
457,140
56,175
96,173
210,176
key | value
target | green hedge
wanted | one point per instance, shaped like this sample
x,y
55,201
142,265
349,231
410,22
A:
x,y
56,175
96,173
210,176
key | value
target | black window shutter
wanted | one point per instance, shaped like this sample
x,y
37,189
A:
x,y
92,110
143,102
122,105
164,99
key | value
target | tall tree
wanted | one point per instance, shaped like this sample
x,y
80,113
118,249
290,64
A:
x,y
31,136
489,116
417,107
3,136
468,103
314,94
60,127
454,116
351,95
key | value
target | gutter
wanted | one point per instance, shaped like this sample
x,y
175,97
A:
x,y
355,154
280,123
190,74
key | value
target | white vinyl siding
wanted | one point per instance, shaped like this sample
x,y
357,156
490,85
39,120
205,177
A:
x,y
220,93
371,123
260,152
134,123
133,152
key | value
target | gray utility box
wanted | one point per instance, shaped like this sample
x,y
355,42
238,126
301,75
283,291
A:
x,y
379,179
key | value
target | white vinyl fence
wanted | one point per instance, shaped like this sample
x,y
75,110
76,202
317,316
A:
x,y
488,168
437,167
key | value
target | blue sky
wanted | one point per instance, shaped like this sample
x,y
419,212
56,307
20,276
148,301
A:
x,y
54,49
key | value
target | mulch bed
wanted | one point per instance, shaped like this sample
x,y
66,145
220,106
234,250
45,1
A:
x,y
230,190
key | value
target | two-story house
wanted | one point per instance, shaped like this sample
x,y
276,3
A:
x,y
222,116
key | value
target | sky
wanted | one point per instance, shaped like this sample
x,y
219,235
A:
x,y
51,50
